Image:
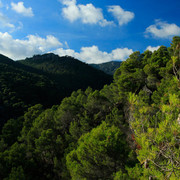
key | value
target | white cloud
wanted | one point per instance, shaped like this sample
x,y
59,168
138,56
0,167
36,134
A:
x,y
94,55
150,48
65,52
162,29
4,21
88,14
71,12
121,53
20,9
104,23
33,44
121,15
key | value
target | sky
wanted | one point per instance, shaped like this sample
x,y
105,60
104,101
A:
x,y
93,31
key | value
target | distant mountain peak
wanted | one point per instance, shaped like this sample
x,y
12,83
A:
x,y
108,67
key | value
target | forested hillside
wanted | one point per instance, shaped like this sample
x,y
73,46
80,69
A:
x,y
108,67
68,71
130,129
44,79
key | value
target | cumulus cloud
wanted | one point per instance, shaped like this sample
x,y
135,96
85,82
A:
x,y
150,48
33,44
94,55
121,15
20,9
88,14
162,29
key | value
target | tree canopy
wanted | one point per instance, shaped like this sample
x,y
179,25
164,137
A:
x,y
129,129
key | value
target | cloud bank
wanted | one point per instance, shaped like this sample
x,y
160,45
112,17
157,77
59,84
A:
x,y
33,44
94,55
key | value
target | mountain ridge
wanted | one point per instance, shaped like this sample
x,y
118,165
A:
x,y
23,84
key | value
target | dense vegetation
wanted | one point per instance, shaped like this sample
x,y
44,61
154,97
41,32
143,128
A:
x,y
68,72
44,79
130,129
108,67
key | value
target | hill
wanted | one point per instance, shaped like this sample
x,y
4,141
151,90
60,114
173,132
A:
x,y
108,67
44,79
68,71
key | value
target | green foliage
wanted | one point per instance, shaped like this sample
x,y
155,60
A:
x,y
17,173
99,153
158,138
130,129
44,79
29,117
11,130
120,175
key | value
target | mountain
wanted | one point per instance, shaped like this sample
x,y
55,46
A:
x,y
68,73
109,67
44,79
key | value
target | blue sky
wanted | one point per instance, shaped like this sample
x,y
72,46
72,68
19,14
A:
x,y
92,31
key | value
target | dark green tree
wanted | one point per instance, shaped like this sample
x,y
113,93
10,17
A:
x,y
99,154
